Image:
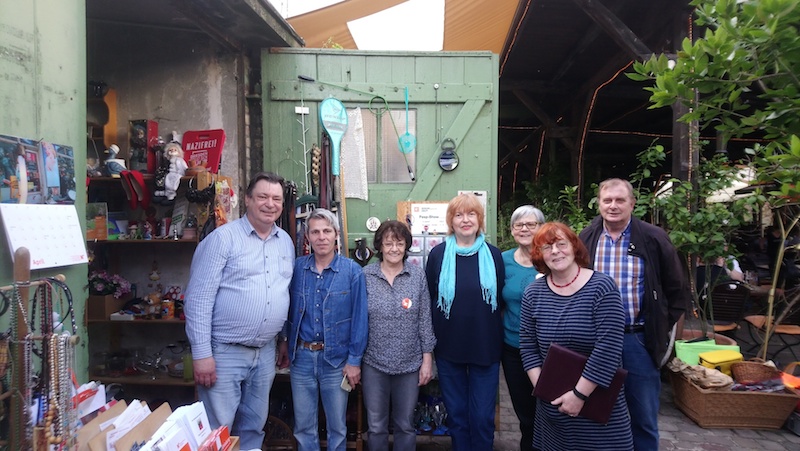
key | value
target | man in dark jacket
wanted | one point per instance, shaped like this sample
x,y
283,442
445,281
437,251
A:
x,y
655,293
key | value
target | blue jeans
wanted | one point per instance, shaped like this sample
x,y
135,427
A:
x,y
470,395
403,389
240,397
642,388
313,378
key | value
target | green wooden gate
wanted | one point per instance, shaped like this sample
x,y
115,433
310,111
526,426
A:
x,y
452,96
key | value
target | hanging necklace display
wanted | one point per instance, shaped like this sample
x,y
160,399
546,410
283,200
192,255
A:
x,y
65,291
448,159
23,428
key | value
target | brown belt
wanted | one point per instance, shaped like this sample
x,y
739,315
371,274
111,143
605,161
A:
x,y
312,346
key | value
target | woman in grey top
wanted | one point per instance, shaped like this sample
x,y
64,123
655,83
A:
x,y
398,357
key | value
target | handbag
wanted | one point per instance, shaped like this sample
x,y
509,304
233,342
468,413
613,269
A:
x,y
560,372
209,226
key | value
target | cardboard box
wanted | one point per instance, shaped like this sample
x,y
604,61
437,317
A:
x,y
194,420
92,429
101,307
220,440
144,430
96,221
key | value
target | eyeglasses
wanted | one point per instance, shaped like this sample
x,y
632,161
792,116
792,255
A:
x,y
561,245
391,244
529,225
460,215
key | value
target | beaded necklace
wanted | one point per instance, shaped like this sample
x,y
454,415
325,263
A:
x,y
24,428
567,284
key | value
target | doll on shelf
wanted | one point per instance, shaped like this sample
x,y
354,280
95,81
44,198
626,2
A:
x,y
173,153
114,165
177,168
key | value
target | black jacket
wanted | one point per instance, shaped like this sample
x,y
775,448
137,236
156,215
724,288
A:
x,y
666,286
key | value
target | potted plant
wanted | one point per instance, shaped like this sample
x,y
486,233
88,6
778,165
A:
x,y
107,294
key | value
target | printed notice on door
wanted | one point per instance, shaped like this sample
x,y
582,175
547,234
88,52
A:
x,y
428,217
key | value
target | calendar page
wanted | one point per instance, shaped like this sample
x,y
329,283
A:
x,y
52,233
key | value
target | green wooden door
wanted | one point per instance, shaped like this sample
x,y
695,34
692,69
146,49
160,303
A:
x,y
452,96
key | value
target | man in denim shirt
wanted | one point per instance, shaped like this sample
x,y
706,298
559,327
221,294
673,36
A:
x,y
327,331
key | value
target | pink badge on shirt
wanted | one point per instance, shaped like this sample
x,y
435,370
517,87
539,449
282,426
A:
x,y
406,303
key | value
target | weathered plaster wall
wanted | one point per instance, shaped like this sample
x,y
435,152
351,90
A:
x,y
179,78
43,96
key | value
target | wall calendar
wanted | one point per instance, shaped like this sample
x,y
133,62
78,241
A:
x,y
52,233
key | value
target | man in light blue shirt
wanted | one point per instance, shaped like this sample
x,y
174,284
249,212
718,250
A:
x,y
327,330
236,304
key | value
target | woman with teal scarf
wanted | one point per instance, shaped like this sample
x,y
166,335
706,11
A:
x,y
465,278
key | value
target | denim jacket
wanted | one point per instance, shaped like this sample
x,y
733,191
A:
x,y
344,309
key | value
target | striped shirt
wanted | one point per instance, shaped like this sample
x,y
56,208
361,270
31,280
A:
x,y
238,288
612,258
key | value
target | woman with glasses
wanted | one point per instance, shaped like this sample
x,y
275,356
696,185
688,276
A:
x,y
581,310
465,279
398,358
520,272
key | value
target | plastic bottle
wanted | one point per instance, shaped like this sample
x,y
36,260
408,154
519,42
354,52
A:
x,y
188,369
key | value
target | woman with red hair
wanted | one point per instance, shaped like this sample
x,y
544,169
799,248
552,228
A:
x,y
581,310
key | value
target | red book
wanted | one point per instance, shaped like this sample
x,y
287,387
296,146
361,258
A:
x,y
560,372
203,148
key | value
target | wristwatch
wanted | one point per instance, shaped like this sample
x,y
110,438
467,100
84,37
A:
x,y
580,395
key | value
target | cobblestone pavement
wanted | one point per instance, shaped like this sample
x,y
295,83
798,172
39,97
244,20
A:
x,y
677,431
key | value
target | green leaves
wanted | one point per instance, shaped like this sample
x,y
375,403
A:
x,y
748,47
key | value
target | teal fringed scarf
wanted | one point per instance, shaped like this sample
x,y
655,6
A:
x,y
447,277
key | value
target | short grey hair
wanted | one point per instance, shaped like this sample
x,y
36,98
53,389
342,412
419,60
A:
x,y
321,213
525,211
608,183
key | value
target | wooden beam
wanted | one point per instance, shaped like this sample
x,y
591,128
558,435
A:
x,y
580,48
550,87
540,113
516,150
431,173
615,28
202,21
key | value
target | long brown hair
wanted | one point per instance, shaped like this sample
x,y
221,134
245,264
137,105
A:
x,y
551,232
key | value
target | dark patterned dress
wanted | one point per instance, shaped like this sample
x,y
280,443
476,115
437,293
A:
x,y
591,322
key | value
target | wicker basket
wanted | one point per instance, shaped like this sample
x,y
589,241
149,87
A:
x,y
731,409
750,372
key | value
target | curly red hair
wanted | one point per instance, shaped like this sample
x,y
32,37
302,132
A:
x,y
551,232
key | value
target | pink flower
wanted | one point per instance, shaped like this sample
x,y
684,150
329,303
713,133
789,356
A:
x,y
101,283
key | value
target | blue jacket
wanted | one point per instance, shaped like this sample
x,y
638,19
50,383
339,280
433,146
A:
x,y
344,309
